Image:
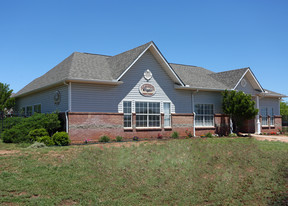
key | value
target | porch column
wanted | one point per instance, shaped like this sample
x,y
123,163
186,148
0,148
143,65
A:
x,y
258,124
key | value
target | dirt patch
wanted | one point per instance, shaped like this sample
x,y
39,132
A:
x,y
271,138
8,152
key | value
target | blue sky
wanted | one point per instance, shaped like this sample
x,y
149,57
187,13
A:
x,y
218,35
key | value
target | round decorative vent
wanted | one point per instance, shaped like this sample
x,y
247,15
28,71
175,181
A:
x,y
57,97
147,90
243,83
147,74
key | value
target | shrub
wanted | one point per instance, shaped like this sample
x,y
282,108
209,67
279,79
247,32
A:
x,y
175,135
209,135
104,139
47,140
36,133
61,138
19,132
232,135
160,136
11,122
14,135
135,138
119,139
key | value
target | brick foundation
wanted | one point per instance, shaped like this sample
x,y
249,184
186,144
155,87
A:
x,y
91,125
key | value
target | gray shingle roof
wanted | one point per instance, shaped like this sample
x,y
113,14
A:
x,y
197,77
84,66
229,78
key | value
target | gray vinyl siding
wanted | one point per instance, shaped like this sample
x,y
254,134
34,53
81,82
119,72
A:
x,y
46,99
214,98
108,98
248,89
270,103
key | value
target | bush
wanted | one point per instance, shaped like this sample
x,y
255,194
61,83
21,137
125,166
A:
x,y
209,135
10,122
135,138
37,145
175,135
36,133
19,132
14,135
47,140
232,135
61,139
104,139
119,139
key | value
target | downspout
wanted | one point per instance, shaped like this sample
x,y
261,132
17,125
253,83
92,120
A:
x,y
194,114
69,106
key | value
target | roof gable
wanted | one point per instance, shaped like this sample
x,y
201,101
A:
x,y
159,57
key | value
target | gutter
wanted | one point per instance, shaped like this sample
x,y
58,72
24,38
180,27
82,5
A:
x,y
187,87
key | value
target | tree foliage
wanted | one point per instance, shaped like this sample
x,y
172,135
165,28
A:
x,y
284,108
239,106
6,102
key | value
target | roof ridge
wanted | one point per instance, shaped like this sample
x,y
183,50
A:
x,y
232,70
185,65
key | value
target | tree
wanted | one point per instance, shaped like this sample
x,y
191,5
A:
x,y
284,112
6,102
284,108
239,106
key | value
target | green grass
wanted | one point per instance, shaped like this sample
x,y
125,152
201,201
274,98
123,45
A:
x,y
214,171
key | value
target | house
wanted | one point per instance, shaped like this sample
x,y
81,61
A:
x,y
138,93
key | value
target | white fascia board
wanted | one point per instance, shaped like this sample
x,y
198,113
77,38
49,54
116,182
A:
x,y
200,88
253,78
162,58
166,63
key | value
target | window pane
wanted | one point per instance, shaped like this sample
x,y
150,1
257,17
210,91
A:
x,y
127,107
199,120
208,121
141,120
127,120
154,120
167,114
37,108
29,110
154,107
141,107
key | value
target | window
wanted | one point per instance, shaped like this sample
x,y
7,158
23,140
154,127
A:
x,y
37,108
204,115
167,114
29,110
147,114
127,114
271,116
264,114
265,111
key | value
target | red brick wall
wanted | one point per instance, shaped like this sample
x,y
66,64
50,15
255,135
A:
x,y
92,126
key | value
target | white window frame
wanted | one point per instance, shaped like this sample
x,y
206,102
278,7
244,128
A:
x,y
205,115
272,119
147,114
170,122
264,116
127,114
